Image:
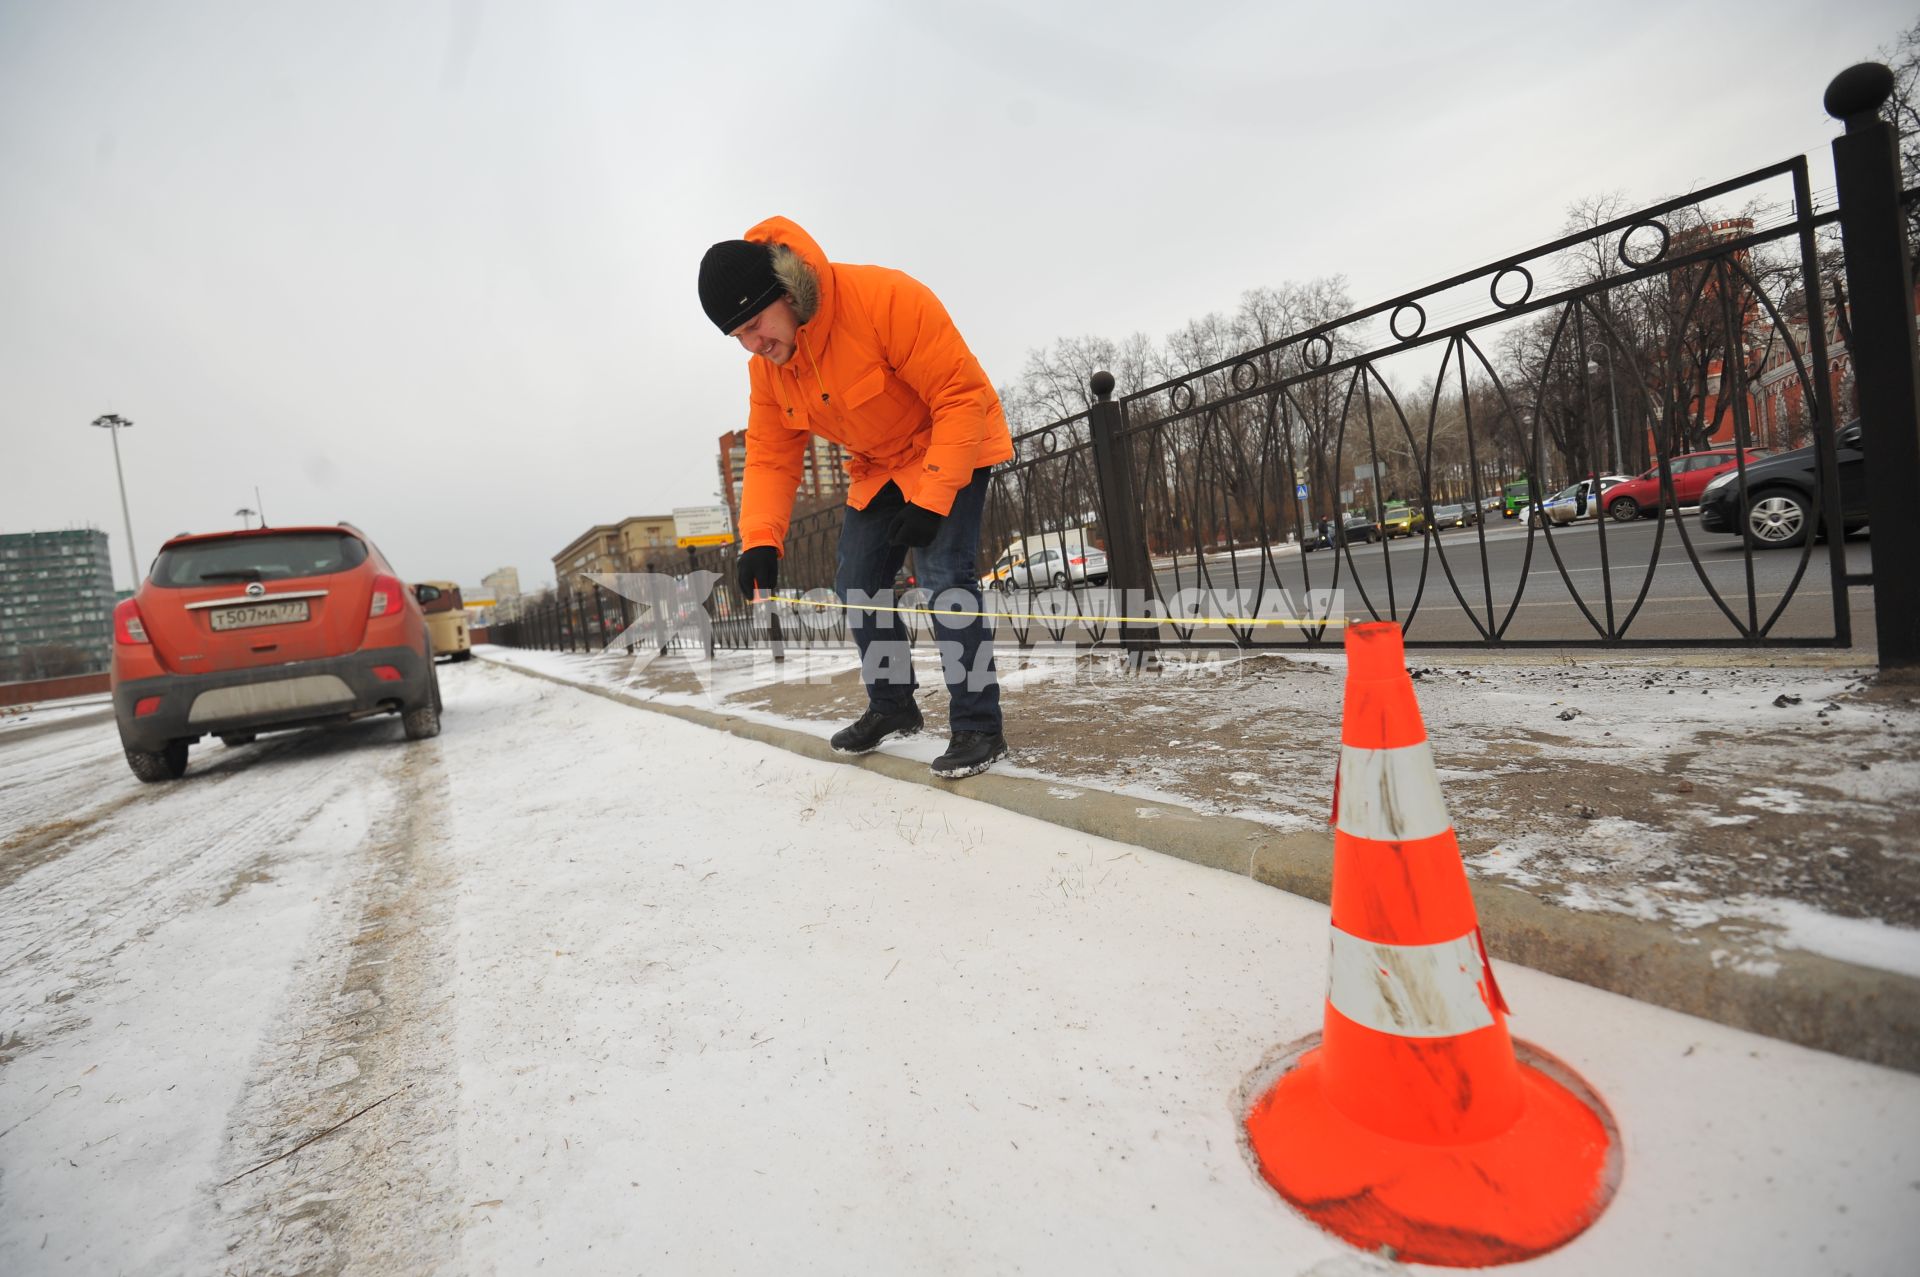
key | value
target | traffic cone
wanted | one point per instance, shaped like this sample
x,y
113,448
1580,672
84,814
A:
x,y
1414,1124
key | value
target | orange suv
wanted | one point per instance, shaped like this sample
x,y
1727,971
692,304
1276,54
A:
x,y
236,633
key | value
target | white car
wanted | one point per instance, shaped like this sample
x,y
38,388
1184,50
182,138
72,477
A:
x,y
996,577
1076,565
1575,501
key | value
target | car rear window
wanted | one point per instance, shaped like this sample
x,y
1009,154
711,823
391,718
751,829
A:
x,y
271,558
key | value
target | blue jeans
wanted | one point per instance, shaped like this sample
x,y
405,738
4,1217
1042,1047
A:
x,y
948,571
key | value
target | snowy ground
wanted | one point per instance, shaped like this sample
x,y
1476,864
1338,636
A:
x,y
1749,804
600,991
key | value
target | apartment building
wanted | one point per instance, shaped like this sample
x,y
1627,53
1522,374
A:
x,y
501,584
823,472
56,603
627,546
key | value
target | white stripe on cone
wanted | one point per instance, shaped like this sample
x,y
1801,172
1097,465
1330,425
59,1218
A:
x,y
1390,795
1409,990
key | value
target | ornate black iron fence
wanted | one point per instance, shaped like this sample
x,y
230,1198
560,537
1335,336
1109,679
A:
x,y
1512,397
1510,456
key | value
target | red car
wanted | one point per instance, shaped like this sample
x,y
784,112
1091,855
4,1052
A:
x,y
1692,472
236,633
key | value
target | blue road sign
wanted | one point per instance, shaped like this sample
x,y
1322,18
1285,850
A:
x,y
1300,490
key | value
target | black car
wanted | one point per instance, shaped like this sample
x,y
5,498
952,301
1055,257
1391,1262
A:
x,y
1358,527
1780,492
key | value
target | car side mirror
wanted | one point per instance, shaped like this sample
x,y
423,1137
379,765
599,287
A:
x,y
425,593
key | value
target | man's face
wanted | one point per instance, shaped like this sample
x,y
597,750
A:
x,y
770,333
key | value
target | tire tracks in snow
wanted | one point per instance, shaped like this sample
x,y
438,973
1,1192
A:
x,y
369,1016
92,882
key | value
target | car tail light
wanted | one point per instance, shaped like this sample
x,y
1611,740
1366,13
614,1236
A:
x,y
1081,559
386,597
127,626
386,673
145,706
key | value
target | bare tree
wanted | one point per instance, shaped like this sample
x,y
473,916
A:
x,y
1903,112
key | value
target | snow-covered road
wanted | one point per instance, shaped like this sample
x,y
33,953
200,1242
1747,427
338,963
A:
x,y
601,990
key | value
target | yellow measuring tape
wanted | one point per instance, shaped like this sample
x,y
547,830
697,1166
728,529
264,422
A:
x,y
836,604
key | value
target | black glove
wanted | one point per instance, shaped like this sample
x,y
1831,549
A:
x,y
758,568
914,525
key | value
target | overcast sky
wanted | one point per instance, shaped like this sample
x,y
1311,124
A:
x,y
429,266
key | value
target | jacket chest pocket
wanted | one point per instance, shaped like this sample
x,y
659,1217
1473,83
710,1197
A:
x,y
882,401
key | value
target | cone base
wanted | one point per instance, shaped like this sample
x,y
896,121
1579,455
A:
x,y
1533,1187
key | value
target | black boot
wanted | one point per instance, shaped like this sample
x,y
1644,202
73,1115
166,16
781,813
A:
x,y
969,754
874,726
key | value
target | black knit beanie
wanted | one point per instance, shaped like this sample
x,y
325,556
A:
x,y
737,282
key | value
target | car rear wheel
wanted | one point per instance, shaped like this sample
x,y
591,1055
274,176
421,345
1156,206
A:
x,y
1776,519
424,723
1059,580
1624,509
169,763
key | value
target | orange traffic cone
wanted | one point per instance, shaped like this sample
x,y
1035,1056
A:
x,y
1413,1124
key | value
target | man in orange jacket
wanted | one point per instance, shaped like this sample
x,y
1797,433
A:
x,y
868,358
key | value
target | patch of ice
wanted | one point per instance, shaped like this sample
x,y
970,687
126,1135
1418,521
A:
x,y
1634,902
1724,961
1506,860
1866,942
1786,802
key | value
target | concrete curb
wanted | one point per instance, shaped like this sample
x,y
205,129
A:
x,y
1808,999
105,712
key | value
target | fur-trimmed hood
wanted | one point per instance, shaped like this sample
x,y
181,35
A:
x,y
802,269
799,280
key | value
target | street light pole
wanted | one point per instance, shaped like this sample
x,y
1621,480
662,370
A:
x,y
112,423
1613,411
246,517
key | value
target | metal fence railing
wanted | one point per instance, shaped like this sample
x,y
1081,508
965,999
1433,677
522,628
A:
x,y
1260,501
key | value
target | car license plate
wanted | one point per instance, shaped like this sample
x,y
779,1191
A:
x,y
242,618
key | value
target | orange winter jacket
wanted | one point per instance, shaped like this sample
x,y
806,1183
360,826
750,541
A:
x,y
879,369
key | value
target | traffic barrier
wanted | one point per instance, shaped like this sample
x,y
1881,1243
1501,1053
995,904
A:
x,y
1414,1125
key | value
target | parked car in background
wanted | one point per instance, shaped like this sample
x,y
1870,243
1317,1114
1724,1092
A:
x,y
996,576
446,615
1449,516
237,633
1692,472
1575,501
1358,526
1075,565
1402,521
1778,509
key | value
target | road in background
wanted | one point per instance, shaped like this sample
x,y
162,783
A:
x,y
1439,586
